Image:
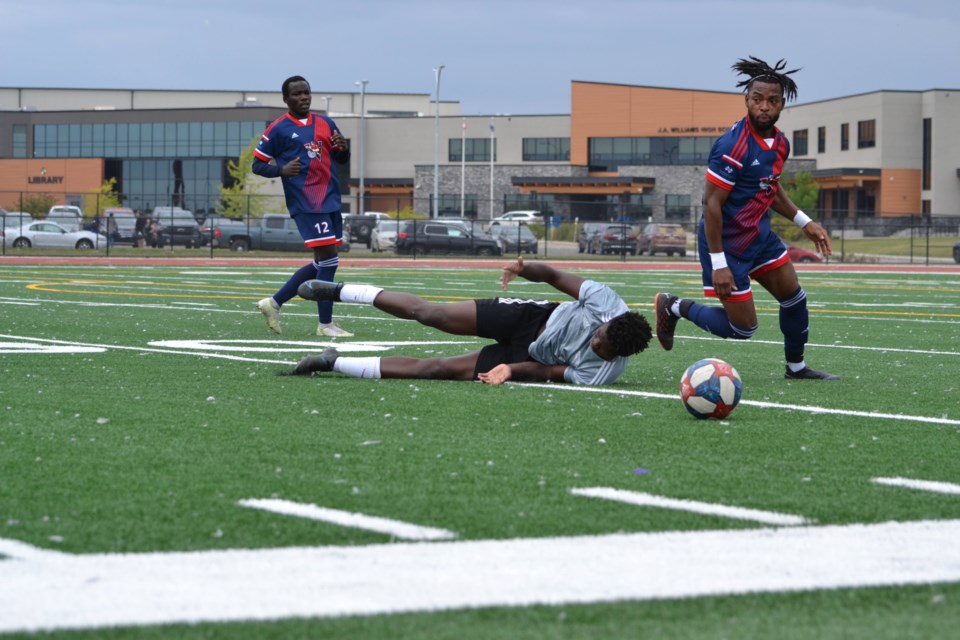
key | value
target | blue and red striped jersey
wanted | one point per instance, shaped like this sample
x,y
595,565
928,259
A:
x,y
316,188
742,163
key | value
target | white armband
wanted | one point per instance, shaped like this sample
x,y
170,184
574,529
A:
x,y
801,219
718,260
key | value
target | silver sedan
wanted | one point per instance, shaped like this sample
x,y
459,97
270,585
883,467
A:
x,y
50,235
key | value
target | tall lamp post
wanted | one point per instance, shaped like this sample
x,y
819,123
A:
x,y
363,124
436,146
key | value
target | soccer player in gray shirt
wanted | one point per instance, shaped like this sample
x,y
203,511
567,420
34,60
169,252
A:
x,y
584,341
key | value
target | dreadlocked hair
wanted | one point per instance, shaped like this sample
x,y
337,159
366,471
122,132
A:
x,y
629,333
756,69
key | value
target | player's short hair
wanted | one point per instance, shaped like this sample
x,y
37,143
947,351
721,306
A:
x,y
629,333
757,70
289,81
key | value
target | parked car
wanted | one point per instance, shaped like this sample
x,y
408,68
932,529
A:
x,y
799,254
432,236
360,226
384,235
615,238
125,222
658,237
956,253
515,240
68,217
210,229
177,226
14,218
517,217
586,234
44,234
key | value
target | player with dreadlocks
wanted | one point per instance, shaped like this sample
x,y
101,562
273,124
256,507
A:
x,y
736,243
584,341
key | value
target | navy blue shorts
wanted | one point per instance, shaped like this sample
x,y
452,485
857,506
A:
x,y
320,229
769,253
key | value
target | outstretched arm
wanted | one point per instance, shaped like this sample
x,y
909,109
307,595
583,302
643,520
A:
x,y
529,371
541,272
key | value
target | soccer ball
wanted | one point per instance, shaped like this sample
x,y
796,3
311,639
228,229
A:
x,y
710,388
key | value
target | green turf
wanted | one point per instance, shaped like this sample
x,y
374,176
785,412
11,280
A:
x,y
148,448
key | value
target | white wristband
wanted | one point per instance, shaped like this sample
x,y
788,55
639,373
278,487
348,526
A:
x,y
801,219
718,260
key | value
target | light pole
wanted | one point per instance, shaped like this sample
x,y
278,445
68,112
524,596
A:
x,y
463,164
436,146
363,124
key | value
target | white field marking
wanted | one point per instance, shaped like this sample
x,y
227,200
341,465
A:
x,y
920,485
704,508
33,347
104,590
752,403
23,551
279,346
395,528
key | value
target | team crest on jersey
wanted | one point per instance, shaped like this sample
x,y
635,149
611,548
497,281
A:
x,y
768,183
313,148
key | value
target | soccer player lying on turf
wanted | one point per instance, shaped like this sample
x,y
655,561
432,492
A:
x,y
586,341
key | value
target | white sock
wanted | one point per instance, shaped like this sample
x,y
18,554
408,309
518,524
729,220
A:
x,y
675,307
358,367
362,293
797,366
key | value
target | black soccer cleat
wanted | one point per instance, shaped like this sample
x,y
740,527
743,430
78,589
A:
x,y
310,365
809,374
666,321
320,290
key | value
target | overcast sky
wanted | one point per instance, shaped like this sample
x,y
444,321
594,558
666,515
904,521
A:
x,y
501,56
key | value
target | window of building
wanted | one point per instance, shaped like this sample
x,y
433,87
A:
x,y
821,140
800,142
927,153
677,206
866,134
475,150
844,136
607,154
19,141
546,149
542,202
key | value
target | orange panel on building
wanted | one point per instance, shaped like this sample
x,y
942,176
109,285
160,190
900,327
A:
x,y
899,192
58,177
626,111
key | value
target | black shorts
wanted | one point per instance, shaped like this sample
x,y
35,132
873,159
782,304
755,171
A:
x,y
514,324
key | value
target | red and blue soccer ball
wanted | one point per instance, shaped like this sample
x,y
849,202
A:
x,y
710,388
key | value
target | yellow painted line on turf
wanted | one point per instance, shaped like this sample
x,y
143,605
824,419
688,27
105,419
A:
x,y
395,528
703,508
919,485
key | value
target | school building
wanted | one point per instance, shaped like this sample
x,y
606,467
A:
x,y
622,151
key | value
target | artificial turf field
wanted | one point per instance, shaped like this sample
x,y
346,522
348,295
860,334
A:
x,y
147,447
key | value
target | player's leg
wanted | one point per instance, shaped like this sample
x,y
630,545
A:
x,y
452,368
323,233
783,284
736,318
270,307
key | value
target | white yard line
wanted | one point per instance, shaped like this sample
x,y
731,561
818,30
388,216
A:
x,y
395,528
703,508
920,485
103,590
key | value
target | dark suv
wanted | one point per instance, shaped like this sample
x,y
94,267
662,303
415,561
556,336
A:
x,y
177,227
360,227
615,238
431,236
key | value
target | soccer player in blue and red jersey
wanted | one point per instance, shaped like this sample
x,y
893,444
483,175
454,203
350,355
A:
x,y
300,148
736,243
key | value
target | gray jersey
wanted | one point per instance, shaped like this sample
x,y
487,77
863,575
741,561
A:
x,y
566,338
